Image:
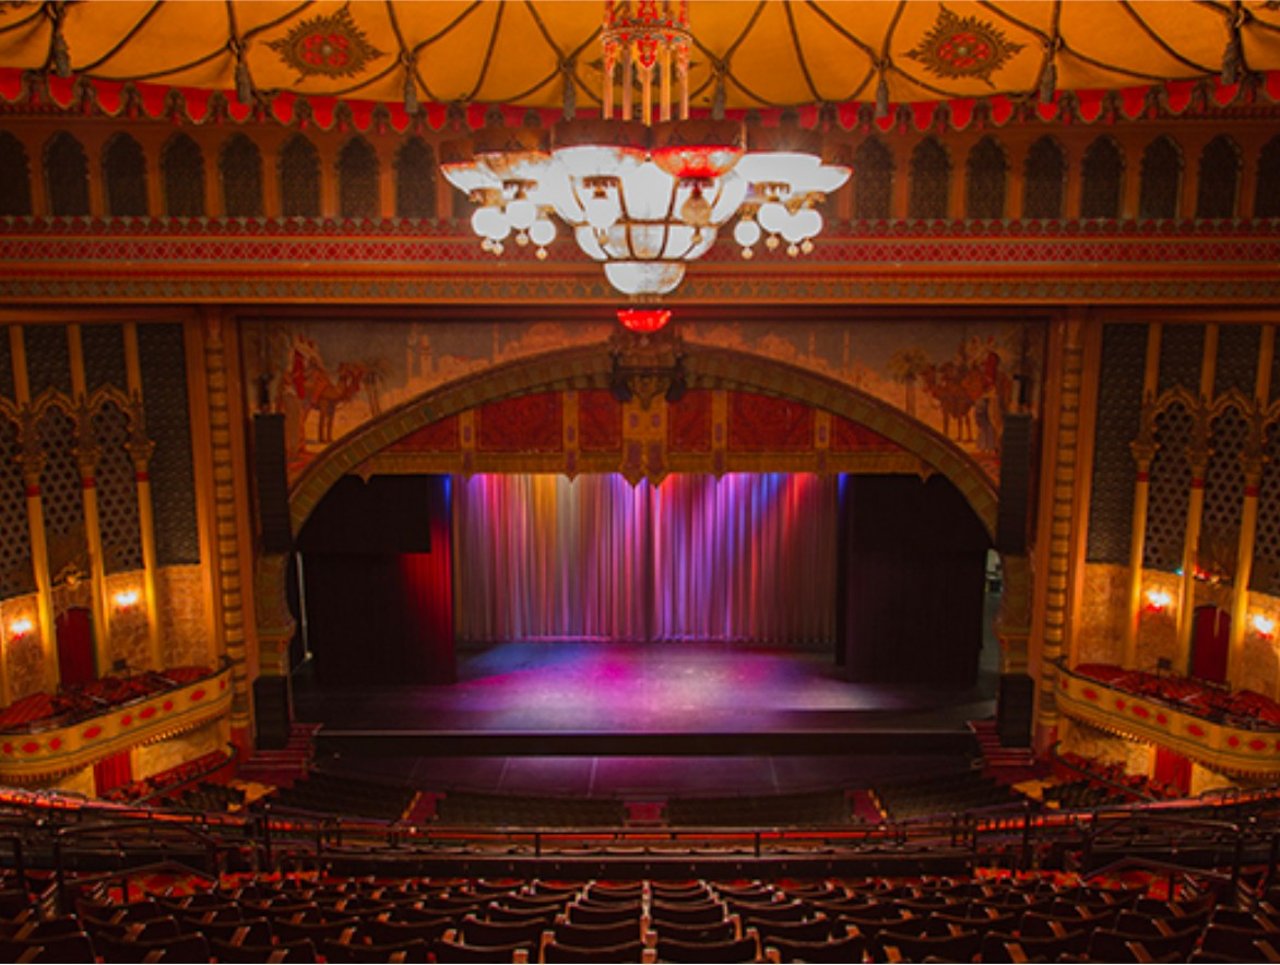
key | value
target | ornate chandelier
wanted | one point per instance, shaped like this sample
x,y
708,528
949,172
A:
x,y
645,196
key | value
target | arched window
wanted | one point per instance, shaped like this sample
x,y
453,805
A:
x,y
1045,181
985,174
1101,176
1219,179
15,176
300,179
183,168
358,180
66,172
241,169
1266,197
124,170
873,180
930,180
415,180
1161,179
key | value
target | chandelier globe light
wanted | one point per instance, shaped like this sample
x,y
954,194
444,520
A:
x,y
644,196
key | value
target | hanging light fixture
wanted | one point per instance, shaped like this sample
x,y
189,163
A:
x,y
645,196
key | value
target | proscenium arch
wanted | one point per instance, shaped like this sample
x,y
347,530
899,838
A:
x,y
590,367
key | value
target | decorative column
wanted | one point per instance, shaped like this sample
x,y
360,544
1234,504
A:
x,y
140,449
1199,452
230,590
1066,441
1252,460
1144,452
87,454
1198,455
31,462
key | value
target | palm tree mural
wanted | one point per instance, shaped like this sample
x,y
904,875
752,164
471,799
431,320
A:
x,y
906,366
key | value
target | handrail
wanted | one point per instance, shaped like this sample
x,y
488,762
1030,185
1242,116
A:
x,y
231,758
1057,758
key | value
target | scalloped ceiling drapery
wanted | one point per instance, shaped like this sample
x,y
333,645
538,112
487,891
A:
x,y
747,53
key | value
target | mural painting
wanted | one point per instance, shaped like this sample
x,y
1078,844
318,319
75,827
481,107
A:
x,y
328,377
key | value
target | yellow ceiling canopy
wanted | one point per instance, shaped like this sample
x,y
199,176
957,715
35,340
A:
x,y
746,53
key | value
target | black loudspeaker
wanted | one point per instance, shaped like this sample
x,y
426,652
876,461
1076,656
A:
x,y
1015,484
1015,704
270,470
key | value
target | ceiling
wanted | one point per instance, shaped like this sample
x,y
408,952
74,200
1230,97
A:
x,y
772,53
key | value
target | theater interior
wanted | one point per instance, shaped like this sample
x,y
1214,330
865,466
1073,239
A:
x,y
543,481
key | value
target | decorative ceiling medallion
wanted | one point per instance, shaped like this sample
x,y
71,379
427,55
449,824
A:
x,y
957,47
331,46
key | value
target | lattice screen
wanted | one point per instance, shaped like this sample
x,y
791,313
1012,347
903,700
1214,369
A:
x,y
1170,488
1161,179
67,175
1181,355
6,364
15,177
117,491
1124,350
60,493
1101,175
241,169
183,167
164,394
1265,575
48,358
103,348
358,180
1045,182
1237,364
15,545
1223,493
872,180
415,180
125,169
1266,198
930,180
300,179
1219,179
985,177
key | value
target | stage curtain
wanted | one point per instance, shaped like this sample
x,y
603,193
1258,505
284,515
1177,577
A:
x,y
747,557
112,772
74,629
1210,639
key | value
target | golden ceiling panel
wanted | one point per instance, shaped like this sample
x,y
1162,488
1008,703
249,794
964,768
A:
x,y
755,53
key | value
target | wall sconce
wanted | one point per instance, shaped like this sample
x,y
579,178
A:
x,y
1263,625
125,600
20,627
1158,601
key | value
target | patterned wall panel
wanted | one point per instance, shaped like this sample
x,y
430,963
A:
x,y
1161,179
103,348
1265,574
15,177
6,364
1266,197
164,394
1181,353
117,491
1045,180
48,358
61,497
1237,365
1124,349
1219,179
985,177
1102,179
1223,494
15,541
873,180
1170,489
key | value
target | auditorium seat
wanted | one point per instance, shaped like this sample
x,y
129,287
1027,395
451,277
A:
x,y
402,932
581,913
74,947
814,930
595,936
1109,945
481,934
847,949
1006,947
341,951
1226,943
246,931
180,948
445,950
959,946
584,955
302,950
720,931
745,949
701,913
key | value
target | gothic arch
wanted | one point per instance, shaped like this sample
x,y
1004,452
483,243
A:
x,y
590,368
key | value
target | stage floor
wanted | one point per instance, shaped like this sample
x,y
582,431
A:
x,y
616,719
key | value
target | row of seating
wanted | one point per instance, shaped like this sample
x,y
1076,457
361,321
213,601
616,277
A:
x,y
253,918
79,701
330,793
1245,708
946,793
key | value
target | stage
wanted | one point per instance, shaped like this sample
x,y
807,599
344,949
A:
x,y
615,719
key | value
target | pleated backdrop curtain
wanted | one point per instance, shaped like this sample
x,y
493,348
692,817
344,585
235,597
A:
x,y
747,557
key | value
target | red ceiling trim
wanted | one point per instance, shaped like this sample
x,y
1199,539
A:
x,y
36,92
